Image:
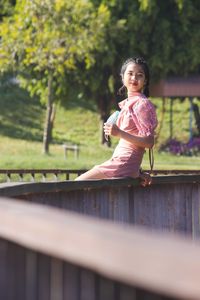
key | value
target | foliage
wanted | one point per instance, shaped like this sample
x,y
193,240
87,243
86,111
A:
x,y
50,35
150,4
45,38
6,7
163,38
169,41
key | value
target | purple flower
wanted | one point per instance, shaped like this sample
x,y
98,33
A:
x,y
192,147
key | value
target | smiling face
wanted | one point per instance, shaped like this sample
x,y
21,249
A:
x,y
134,78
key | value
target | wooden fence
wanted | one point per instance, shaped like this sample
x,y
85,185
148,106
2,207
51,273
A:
x,y
36,175
51,254
171,203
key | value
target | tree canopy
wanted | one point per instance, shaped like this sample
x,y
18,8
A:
x,y
6,8
165,33
45,38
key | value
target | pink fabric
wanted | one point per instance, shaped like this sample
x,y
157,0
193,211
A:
x,y
137,117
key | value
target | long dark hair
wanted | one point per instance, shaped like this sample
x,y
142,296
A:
x,y
140,61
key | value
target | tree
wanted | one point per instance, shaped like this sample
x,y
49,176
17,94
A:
x,y
45,38
6,8
168,41
171,38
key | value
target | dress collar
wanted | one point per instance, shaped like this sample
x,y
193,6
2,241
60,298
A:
x,y
130,101
133,94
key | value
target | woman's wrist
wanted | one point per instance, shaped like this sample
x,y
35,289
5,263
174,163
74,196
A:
x,y
120,133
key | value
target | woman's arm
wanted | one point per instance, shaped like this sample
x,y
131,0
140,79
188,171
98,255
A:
x,y
144,142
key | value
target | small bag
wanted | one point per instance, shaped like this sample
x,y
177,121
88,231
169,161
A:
x,y
113,118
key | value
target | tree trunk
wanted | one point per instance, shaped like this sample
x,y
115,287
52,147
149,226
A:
x,y
49,117
104,109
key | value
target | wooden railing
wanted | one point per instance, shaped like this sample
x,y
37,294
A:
x,y
171,203
8,175
35,175
49,254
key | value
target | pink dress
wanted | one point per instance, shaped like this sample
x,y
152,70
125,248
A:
x,y
137,117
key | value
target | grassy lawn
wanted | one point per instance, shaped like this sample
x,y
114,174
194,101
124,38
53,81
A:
x,y
21,130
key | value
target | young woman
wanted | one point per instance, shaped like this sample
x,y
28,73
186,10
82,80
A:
x,y
135,126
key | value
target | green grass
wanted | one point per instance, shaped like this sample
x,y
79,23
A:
x,y
21,131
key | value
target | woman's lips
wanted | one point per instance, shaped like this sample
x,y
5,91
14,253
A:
x,y
134,83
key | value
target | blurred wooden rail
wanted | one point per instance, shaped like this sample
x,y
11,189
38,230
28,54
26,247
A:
x,y
46,253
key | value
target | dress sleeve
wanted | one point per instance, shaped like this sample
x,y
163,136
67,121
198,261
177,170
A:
x,y
146,119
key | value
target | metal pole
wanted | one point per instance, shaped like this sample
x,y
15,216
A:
x,y
171,118
190,118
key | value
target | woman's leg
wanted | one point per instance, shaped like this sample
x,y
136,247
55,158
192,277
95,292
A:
x,y
91,174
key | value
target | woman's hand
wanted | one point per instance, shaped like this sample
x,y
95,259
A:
x,y
140,141
111,129
145,178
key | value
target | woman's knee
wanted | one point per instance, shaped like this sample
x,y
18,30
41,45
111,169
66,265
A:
x,y
91,174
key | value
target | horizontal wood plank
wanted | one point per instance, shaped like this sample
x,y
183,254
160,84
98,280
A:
x,y
160,263
11,189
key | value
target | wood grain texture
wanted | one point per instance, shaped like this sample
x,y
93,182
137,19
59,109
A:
x,y
164,264
169,204
10,189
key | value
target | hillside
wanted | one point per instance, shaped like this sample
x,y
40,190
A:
x,y
21,130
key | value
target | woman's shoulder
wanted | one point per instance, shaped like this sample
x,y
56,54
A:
x,y
145,112
144,103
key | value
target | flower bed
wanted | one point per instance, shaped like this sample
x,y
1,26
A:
x,y
192,147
